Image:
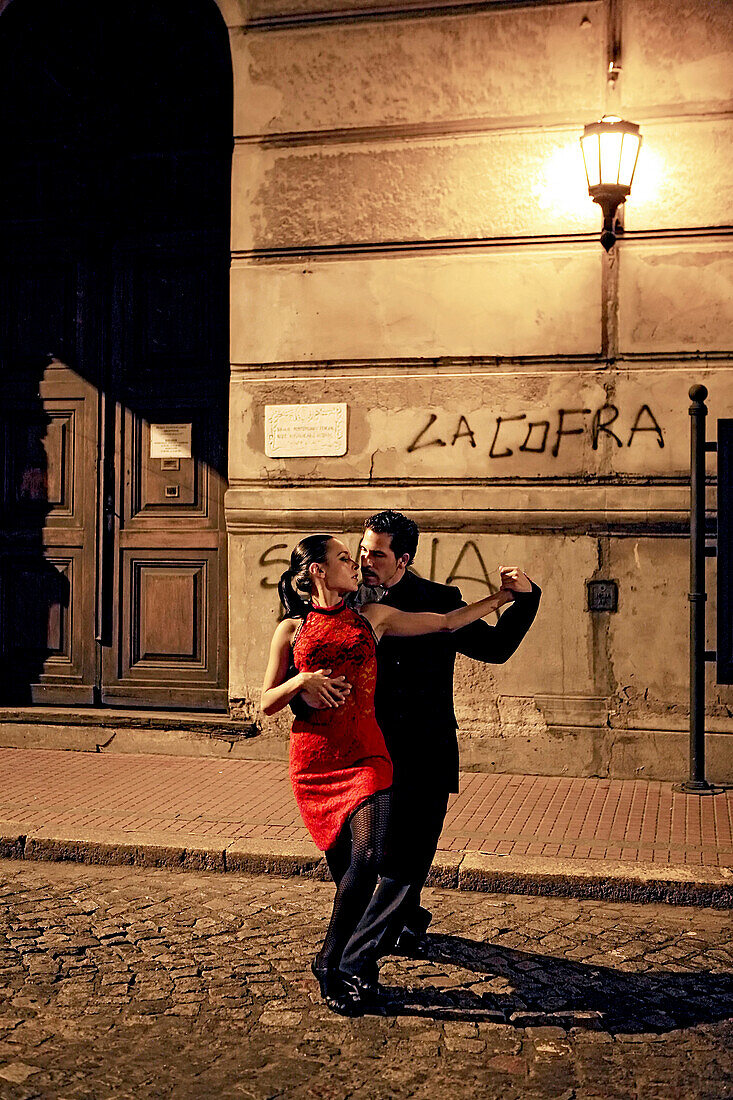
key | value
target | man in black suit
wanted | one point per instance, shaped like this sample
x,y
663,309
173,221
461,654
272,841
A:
x,y
414,707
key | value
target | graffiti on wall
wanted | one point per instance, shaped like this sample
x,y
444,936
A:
x,y
525,432
468,565
521,434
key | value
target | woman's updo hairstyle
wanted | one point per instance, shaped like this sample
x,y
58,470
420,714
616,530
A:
x,y
295,586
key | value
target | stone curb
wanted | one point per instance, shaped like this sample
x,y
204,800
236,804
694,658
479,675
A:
x,y
610,880
276,858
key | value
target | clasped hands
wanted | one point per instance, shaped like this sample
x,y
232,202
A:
x,y
513,579
321,690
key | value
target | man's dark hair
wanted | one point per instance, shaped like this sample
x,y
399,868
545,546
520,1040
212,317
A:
x,y
403,532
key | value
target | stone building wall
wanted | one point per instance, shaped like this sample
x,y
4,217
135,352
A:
x,y
412,237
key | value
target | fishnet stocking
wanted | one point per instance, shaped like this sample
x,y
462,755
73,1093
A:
x,y
338,857
364,838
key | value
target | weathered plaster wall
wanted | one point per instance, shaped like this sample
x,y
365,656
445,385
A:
x,y
411,235
379,307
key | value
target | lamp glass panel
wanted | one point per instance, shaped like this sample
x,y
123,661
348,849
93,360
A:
x,y
591,157
629,154
610,157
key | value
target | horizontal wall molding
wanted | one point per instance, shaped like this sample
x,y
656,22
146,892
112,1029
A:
x,y
570,509
594,524
584,483
421,367
391,248
466,128
447,367
405,132
439,8
476,244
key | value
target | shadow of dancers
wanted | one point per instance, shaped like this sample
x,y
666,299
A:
x,y
525,988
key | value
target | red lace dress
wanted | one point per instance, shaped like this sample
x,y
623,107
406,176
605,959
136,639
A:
x,y
337,756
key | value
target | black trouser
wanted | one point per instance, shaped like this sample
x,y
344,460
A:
x,y
416,820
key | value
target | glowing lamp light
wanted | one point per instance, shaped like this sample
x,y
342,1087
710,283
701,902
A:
x,y
610,152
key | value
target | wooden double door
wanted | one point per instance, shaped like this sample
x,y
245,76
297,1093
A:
x,y
114,269
113,437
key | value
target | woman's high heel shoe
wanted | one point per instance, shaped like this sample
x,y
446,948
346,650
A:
x,y
336,994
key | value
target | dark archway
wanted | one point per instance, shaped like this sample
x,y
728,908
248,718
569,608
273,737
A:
x,y
114,219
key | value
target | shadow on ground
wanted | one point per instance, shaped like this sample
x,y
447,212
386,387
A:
x,y
524,988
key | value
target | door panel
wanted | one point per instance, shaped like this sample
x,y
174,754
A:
x,y
169,637
168,487
178,636
47,553
169,630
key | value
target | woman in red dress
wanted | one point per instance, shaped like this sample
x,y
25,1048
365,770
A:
x,y
339,765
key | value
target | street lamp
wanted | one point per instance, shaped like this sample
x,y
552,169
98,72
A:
x,y
610,151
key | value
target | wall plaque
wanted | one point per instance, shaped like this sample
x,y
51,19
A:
x,y
170,440
305,431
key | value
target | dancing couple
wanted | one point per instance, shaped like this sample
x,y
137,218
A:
x,y
372,786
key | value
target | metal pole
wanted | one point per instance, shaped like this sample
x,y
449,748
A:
x,y
697,595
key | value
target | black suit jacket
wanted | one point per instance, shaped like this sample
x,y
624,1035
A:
x,y
414,699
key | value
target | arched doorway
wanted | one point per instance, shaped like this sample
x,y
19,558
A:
x,y
114,218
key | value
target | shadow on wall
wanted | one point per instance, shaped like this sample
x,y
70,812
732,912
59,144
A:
x,y
114,256
34,592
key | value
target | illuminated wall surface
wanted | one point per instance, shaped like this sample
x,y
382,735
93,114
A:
x,y
412,237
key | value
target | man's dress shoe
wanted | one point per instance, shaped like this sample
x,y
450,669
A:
x,y
366,991
412,944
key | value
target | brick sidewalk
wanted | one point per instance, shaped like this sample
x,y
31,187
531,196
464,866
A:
x,y
503,815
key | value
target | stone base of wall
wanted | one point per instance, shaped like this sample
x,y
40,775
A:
x,y
556,750
576,751
611,753
566,750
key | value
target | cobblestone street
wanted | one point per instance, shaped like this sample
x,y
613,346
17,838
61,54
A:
x,y
144,983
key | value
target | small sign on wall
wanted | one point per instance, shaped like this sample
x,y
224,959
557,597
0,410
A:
x,y
170,440
305,431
